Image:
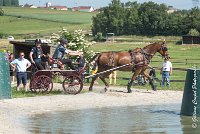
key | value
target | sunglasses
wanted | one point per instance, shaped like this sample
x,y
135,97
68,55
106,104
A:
x,y
21,55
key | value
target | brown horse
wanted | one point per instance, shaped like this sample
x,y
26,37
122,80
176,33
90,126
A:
x,y
138,59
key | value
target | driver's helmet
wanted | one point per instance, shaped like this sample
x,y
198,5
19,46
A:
x,y
38,41
63,41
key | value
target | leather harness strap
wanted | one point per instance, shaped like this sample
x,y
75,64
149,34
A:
x,y
146,58
112,60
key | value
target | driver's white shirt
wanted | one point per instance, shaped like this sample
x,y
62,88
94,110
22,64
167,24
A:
x,y
166,66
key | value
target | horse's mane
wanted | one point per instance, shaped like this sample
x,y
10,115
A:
x,y
160,43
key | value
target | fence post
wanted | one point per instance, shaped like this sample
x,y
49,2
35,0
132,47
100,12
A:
x,y
185,61
5,87
191,96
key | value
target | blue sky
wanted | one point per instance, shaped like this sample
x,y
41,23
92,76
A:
x,y
180,4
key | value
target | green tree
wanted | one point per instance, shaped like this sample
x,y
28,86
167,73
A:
x,y
194,17
1,2
175,23
6,2
153,18
110,19
1,12
14,2
116,17
131,19
100,22
193,32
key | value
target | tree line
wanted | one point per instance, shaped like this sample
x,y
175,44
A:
x,y
148,18
9,2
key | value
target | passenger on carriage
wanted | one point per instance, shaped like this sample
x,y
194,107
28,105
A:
x,y
80,64
60,52
36,55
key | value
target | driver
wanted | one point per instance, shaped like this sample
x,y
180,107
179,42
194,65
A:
x,y
61,50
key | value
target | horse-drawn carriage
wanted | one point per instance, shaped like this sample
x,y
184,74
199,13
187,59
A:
x,y
42,80
137,60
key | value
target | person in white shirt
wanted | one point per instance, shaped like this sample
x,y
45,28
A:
x,y
21,64
166,72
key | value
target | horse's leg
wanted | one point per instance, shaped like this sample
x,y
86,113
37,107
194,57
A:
x,y
137,71
104,81
150,81
92,82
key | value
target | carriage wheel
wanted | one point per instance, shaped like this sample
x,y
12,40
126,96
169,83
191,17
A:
x,y
72,84
42,84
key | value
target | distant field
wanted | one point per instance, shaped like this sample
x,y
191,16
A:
x,y
42,21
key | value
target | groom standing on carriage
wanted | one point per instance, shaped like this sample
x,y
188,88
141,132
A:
x,y
61,50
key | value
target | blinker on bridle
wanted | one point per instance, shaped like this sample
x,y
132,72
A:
x,y
163,48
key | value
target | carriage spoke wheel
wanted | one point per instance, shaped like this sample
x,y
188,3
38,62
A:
x,y
72,84
42,84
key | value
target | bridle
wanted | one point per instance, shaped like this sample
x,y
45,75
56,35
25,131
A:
x,y
163,48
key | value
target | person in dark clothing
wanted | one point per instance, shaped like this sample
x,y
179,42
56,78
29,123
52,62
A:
x,y
81,62
36,54
60,52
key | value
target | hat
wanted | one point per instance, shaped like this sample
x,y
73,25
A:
x,y
63,41
38,41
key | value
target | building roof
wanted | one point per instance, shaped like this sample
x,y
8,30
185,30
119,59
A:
x,y
84,7
58,7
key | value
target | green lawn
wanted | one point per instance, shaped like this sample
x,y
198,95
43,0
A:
x,y
23,21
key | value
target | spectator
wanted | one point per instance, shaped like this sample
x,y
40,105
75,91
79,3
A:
x,y
12,77
81,63
36,54
61,50
7,55
21,64
166,72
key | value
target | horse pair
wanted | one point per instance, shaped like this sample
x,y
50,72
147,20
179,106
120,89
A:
x,y
137,60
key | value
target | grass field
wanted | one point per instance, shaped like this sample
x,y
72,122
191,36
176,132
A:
x,y
23,21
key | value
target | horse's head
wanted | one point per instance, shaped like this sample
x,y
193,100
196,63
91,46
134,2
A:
x,y
163,50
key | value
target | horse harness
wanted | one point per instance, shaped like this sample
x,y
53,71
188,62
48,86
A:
x,y
146,57
112,60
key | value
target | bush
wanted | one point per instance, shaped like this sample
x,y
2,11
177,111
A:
x,y
1,35
77,41
193,32
1,12
98,37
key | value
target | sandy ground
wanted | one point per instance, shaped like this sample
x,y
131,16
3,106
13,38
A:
x,y
12,109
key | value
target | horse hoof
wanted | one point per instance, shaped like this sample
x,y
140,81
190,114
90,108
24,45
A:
x,y
90,89
129,91
154,89
106,88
